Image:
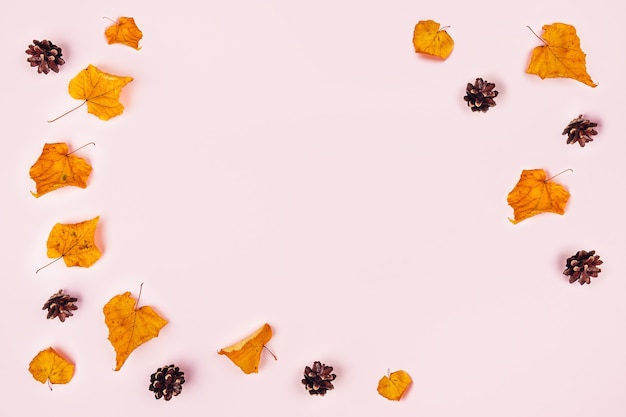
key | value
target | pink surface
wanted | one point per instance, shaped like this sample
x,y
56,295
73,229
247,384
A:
x,y
296,163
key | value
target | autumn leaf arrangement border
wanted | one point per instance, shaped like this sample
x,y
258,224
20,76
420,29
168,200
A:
x,y
131,326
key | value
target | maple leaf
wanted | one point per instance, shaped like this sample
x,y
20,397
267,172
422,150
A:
x,y
394,386
99,90
561,56
75,243
429,39
534,194
49,366
124,31
130,327
56,168
246,354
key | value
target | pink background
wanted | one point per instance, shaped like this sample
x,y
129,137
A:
x,y
297,163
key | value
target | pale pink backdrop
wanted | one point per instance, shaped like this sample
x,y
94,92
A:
x,y
296,163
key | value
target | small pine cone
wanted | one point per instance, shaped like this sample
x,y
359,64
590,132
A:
x,y
580,130
45,56
167,382
480,96
317,379
60,305
582,267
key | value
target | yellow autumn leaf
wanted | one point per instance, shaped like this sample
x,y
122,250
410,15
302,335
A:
x,y
560,56
130,327
429,39
49,366
246,354
99,90
394,386
124,31
56,168
75,243
534,194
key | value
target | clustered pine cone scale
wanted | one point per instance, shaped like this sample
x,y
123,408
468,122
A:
x,y
580,130
480,95
318,378
45,56
167,382
60,305
583,266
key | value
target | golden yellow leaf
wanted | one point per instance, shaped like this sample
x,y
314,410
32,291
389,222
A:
x,y
561,56
246,354
100,90
124,31
75,243
130,327
56,168
429,39
48,365
533,194
393,386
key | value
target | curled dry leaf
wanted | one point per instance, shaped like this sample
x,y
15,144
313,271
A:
x,y
429,39
534,194
246,354
128,326
48,365
99,90
560,56
75,243
124,31
394,386
57,168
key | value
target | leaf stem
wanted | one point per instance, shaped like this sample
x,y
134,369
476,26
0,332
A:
x,y
108,18
556,175
539,37
78,149
68,112
139,296
49,263
271,353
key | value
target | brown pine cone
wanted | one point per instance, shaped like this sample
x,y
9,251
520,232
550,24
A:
x,y
582,267
60,305
580,130
480,96
167,382
45,56
317,379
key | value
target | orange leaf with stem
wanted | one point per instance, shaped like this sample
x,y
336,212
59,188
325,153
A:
x,y
129,326
99,90
429,39
394,385
49,366
124,31
534,194
246,354
56,168
74,243
560,56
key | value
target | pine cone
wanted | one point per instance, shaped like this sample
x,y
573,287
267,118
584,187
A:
x,y
167,382
45,56
480,96
580,130
60,305
317,379
582,267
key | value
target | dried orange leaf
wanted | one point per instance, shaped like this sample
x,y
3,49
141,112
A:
x,y
130,327
246,354
533,194
429,39
124,31
75,243
393,386
100,90
561,56
48,365
57,168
